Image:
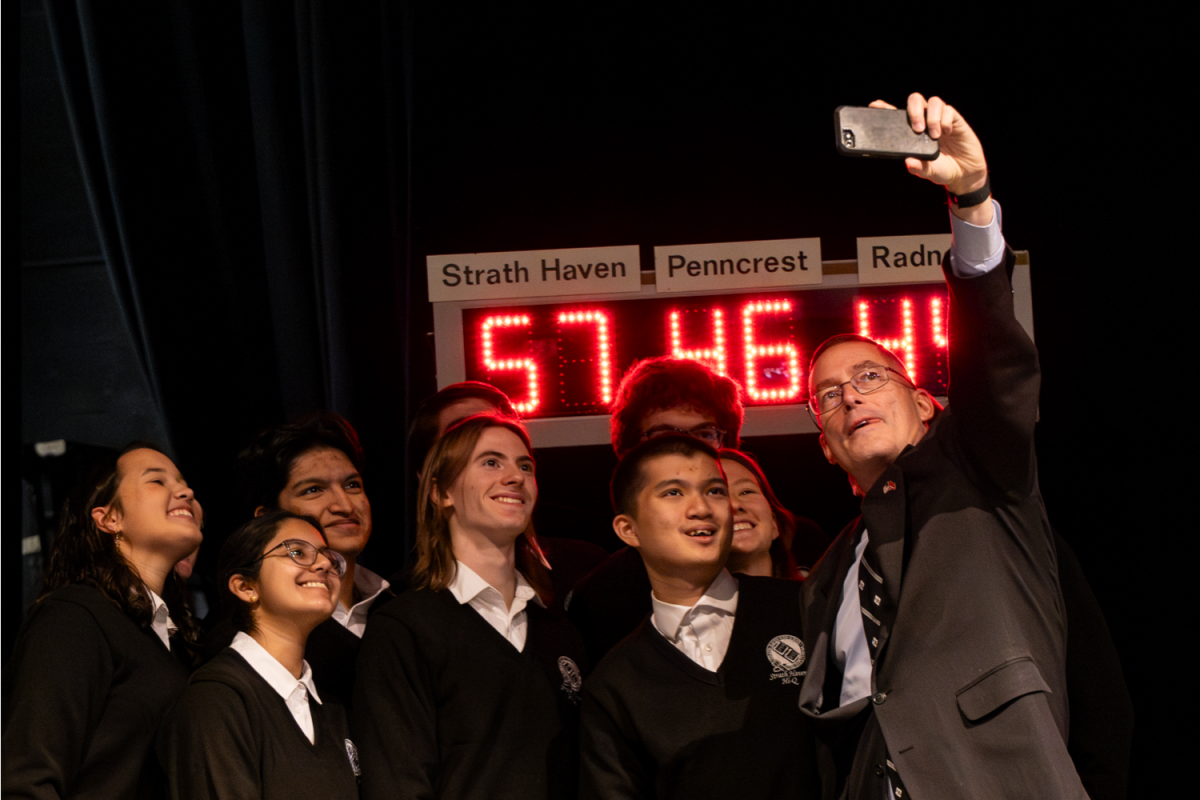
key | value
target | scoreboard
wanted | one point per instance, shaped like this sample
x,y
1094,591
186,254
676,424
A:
x,y
560,358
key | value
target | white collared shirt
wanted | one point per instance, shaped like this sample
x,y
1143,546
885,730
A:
x,y
160,618
369,587
294,692
470,589
702,631
850,649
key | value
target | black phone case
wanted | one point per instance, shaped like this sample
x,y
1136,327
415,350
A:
x,y
880,133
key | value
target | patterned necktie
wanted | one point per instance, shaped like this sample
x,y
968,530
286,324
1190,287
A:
x,y
872,600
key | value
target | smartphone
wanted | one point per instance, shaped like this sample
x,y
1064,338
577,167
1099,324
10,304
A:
x,y
880,133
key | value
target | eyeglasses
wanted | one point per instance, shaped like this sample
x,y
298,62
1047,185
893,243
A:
x,y
865,381
305,554
705,433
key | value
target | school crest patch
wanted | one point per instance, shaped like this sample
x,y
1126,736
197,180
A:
x,y
572,678
786,655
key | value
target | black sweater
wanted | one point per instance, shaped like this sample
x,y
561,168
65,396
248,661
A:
x,y
83,695
658,725
231,735
446,707
331,651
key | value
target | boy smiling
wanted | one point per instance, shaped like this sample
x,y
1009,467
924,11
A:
x,y
701,700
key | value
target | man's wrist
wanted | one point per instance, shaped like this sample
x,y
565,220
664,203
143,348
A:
x,y
973,205
979,216
976,197
971,191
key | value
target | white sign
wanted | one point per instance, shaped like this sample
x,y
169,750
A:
x,y
737,265
534,273
901,259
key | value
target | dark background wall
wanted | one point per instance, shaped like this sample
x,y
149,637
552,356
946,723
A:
x,y
502,130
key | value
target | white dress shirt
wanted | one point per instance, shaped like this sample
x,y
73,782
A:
x,y
369,586
702,631
294,692
470,589
974,250
160,618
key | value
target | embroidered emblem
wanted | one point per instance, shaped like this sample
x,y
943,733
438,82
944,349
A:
x,y
572,678
786,655
352,754
890,486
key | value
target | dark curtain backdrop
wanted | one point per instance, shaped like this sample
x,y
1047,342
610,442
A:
x,y
247,164
268,177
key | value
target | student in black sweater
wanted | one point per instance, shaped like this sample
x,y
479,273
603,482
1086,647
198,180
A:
x,y
702,699
468,683
250,722
314,466
661,396
101,656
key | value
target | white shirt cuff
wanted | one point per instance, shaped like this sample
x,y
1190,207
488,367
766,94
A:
x,y
974,249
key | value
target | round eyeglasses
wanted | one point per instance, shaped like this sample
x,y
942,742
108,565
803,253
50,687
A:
x,y
865,381
305,554
710,434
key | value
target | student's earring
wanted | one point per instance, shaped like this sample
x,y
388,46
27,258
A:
x,y
253,598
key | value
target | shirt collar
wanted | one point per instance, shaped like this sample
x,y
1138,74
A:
x,y
369,587
467,585
719,598
275,674
160,618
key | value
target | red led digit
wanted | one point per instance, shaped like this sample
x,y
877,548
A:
x,y
904,346
603,347
715,356
493,364
937,322
754,351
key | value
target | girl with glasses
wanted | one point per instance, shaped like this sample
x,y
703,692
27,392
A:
x,y
250,722
104,653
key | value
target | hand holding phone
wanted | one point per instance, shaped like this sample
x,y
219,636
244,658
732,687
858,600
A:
x,y
959,164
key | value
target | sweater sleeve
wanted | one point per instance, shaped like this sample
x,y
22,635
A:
x,y
393,718
207,745
611,767
55,688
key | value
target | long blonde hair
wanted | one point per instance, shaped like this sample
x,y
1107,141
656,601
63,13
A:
x,y
446,461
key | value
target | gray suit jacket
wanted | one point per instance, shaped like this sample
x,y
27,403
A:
x,y
969,697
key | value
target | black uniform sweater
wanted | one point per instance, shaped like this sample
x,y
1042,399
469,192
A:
x,y
446,707
84,692
658,725
331,651
231,735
